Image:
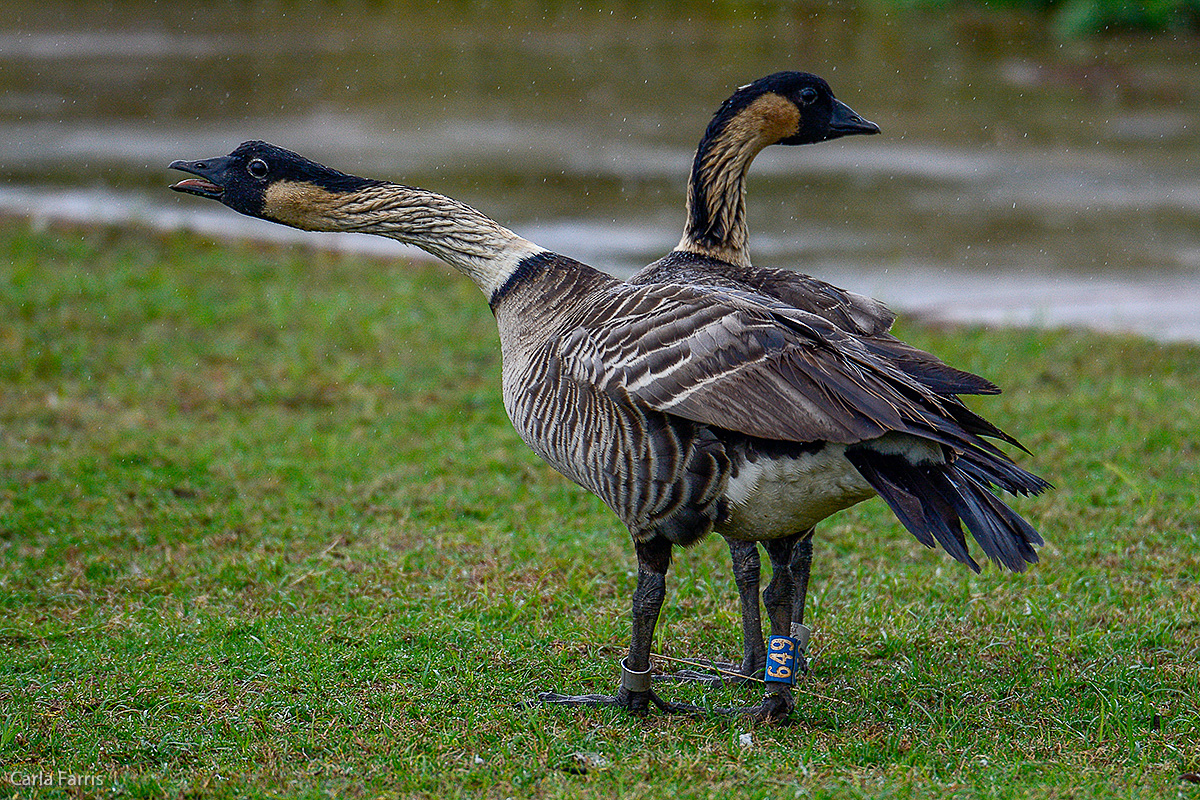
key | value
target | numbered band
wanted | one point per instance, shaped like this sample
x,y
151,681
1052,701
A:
x,y
781,660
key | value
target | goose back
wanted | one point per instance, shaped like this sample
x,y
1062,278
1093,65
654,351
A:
x,y
659,398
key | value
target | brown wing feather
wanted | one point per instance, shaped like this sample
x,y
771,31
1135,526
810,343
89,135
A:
x,y
862,316
852,312
746,364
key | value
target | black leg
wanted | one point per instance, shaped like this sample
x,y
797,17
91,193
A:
x,y
791,562
746,572
777,703
801,566
780,592
654,558
635,694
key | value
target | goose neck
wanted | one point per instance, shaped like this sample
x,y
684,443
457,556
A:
x,y
454,232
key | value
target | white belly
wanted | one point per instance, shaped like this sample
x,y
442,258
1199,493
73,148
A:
x,y
774,497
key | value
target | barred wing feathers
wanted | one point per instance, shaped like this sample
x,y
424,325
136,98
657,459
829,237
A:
x,y
748,364
856,314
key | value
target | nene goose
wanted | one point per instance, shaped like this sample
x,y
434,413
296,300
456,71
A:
x,y
686,409
789,108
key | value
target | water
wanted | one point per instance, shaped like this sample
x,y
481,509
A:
x,y
1018,180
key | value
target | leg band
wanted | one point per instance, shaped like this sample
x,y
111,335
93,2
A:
x,y
634,681
781,661
801,633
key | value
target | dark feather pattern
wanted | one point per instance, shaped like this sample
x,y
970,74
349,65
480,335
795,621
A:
x,y
933,500
640,396
853,313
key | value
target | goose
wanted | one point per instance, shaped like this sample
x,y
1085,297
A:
x,y
686,409
785,108
789,108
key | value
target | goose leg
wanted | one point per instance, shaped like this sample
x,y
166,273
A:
x,y
746,572
780,592
784,598
635,693
801,566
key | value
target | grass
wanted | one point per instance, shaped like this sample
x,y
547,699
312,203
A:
x,y
265,531
1078,18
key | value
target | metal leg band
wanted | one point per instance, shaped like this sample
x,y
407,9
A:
x,y
801,633
634,681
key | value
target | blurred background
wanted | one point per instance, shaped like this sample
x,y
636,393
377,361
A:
x,y
1038,162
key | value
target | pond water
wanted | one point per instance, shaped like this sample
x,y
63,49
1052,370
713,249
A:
x,y
1018,179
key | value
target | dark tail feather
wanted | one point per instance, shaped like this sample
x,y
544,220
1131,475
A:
x,y
917,503
927,369
933,500
1001,473
973,423
1004,536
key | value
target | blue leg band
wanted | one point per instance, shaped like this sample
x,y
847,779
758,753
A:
x,y
781,660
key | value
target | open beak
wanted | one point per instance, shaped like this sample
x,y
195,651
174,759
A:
x,y
846,122
207,173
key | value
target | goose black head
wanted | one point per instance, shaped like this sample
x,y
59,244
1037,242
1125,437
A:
x,y
264,180
789,108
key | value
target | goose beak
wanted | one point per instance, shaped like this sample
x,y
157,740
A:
x,y
845,122
207,182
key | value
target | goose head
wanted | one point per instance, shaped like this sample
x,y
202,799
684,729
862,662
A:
x,y
789,108
263,180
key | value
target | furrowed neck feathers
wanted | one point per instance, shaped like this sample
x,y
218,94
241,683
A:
x,y
716,197
472,243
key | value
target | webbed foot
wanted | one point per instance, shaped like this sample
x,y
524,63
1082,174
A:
x,y
635,696
714,673
633,702
775,707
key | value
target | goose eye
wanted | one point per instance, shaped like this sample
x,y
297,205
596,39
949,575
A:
x,y
257,168
808,95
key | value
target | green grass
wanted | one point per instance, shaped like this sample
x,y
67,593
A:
x,y
265,531
1078,18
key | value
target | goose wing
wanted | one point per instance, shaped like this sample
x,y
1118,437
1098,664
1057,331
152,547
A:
x,y
853,313
850,311
748,363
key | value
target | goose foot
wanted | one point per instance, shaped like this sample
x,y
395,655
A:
x,y
635,696
713,673
775,707
631,701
